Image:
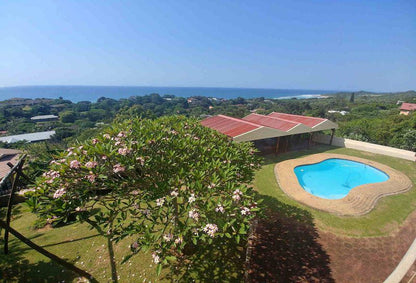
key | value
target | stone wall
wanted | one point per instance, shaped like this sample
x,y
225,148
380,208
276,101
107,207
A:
x,y
365,146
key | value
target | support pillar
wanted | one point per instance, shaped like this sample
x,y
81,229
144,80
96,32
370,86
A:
x,y
332,136
310,140
277,144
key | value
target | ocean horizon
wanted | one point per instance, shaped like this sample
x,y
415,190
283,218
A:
x,y
92,93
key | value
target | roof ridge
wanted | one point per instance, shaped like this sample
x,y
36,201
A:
x,y
303,116
276,118
240,120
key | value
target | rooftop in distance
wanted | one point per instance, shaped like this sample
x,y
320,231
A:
x,y
32,137
44,117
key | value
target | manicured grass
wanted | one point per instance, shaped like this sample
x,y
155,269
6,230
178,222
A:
x,y
385,218
77,244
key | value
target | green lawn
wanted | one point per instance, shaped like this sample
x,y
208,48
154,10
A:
x,y
386,217
77,244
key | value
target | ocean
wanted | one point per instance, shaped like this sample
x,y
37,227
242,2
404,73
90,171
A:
x,y
92,93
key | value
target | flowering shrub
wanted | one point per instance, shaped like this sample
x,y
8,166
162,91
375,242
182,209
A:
x,y
171,184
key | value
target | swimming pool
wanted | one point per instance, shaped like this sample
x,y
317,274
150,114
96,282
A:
x,y
334,178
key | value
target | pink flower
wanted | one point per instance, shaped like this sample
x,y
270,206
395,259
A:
x,y
59,193
220,208
160,201
178,240
245,211
107,136
91,164
104,157
75,164
210,229
174,193
121,134
135,245
212,185
194,215
124,151
168,237
192,198
94,141
90,178
156,258
237,195
118,168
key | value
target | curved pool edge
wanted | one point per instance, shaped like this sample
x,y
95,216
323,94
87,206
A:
x,y
359,201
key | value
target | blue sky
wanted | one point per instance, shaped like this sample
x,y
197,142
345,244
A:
x,y
338,45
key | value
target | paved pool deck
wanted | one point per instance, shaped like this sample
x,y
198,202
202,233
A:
x,y
360,200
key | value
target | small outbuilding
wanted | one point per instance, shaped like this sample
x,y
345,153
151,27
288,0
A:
x,y
276,132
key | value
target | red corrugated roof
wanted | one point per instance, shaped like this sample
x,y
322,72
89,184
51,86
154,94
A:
x,y
272,122
228,125
408,106
308,121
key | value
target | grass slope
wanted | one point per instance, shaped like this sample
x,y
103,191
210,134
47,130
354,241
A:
x,y
77,244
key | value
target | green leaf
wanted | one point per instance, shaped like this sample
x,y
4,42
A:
x,y
158,269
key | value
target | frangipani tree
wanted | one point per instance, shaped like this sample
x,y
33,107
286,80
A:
x,y
173,186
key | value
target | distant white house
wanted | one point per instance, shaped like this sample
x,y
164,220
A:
x,y
32,137
42,118
340,112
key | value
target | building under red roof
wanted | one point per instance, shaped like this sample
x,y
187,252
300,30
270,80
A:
x,y
257,127
407,108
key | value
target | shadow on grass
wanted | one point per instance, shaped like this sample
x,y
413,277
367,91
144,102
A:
x,y
286,248
14,267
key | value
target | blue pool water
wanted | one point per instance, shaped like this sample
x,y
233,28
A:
x,y
334,178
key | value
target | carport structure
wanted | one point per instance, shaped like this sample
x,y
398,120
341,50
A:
x,y
271,132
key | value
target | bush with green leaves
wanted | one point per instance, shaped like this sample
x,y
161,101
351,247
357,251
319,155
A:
x,y
174,187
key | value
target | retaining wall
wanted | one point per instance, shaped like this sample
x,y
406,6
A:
x,y
365,146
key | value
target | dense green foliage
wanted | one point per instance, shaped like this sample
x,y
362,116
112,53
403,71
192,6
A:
x,y
177,188
371,117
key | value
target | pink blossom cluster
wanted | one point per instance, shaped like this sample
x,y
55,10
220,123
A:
x,y
194,214
94,141
51,176
155,256
124,151
168,237
75,164
178,240
192,198
91,164
210,229
160,201
219,208
245,211
237,195
118,168
91,177
59,193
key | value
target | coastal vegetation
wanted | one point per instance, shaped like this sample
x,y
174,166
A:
x,y
367,116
